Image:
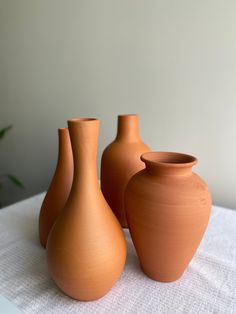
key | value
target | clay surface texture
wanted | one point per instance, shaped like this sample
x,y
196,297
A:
x,y
168,208
120,161
59,189
86,249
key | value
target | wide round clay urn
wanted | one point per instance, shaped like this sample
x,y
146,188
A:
x,y
120,161
86,248
168,208
59,188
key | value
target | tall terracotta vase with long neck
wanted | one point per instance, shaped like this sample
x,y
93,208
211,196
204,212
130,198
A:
x,y
59,188
120,161
86,249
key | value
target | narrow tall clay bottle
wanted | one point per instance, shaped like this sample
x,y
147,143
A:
x,y
168,208
86,249
120,161
59,188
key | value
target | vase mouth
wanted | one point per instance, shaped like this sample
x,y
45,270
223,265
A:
x,y
63,129
169,159
127,115
82,120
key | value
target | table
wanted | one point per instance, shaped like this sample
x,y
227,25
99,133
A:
x,y
207,286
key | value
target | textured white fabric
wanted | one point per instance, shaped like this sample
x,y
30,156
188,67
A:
x,y
207,286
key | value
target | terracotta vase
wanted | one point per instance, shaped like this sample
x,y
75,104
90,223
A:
x,y
59,188
86,249
168,208
120,161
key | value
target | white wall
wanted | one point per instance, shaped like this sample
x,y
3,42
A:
x,y
172,62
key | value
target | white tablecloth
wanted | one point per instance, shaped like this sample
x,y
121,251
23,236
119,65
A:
x,y
207,286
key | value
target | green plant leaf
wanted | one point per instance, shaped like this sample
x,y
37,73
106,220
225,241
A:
x,y
15,181
5,130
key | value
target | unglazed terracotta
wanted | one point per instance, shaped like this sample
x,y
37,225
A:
x,y
168,208
59,188
120,161
86,249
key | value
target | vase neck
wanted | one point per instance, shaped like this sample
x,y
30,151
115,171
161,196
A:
x,y
64,149
84,141
168,163
128,128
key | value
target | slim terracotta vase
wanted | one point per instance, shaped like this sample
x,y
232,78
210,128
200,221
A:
x,y
168,208
120,161
59,188
86,249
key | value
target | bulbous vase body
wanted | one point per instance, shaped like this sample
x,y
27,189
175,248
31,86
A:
x,y
59,189
168,208
120,161
86,249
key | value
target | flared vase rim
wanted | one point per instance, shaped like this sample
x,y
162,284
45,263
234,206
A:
x,y
169,159
84,119
127,115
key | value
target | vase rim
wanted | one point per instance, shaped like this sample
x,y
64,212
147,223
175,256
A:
x,y
74,120
169,159
128,115
63,129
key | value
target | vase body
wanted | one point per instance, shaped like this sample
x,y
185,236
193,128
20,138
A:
x,y
168,208
120,161
59,188
86,249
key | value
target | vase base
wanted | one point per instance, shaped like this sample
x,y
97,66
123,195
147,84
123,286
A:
x,y
162,277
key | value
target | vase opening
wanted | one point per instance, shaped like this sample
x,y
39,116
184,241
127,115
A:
x,y
169,159
82,119
128,115
169,163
